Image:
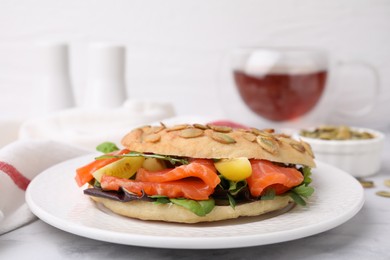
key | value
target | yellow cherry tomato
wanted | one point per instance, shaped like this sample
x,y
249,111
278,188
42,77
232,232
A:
x,y
236,169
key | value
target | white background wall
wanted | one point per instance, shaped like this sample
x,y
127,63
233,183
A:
x,y
175,47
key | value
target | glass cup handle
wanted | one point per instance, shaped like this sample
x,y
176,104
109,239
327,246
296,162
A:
x,y
376,89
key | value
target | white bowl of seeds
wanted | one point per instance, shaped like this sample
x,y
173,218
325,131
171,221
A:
x,y
355,150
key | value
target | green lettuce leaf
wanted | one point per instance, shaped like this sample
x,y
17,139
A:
x,y
303,191
160,199
299,193
297,199
306,175
107,147
200,207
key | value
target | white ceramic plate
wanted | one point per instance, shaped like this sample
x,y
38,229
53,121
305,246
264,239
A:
x,y
56,199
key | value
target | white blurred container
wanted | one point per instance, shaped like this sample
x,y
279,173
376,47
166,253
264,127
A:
x,y
87,128
106,84
9,129
53,82
360,158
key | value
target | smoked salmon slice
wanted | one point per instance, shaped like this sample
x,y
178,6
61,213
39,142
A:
x,y
186,188
267,175
202,169
196,180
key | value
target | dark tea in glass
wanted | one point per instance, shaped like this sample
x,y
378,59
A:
x,y
280,84
281,96
291,87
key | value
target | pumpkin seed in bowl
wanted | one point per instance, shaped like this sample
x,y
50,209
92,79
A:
x,y
328,132
355,150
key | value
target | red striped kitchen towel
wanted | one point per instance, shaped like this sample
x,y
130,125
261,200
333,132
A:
x,y
20,162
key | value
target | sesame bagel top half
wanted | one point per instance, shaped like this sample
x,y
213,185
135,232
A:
x,y
216,142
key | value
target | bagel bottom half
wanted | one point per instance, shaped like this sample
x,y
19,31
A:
x,y
172,213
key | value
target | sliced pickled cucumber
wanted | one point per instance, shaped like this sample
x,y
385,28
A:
x,y
123,168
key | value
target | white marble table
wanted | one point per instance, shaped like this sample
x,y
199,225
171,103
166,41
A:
x,y
365,236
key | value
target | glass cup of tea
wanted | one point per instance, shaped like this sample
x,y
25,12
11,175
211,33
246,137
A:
x,y
281,87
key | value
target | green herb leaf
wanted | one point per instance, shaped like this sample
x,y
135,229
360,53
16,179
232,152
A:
x,y
236,187
162,201
300,192
97,184
172,160
306,175
297,199
303,190
269,194
107,147
157,196
232,201
200,208
231,186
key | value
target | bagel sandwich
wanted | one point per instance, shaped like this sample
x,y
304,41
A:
x,y
192,173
